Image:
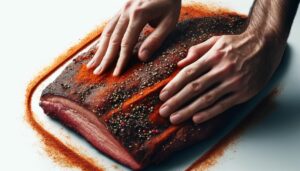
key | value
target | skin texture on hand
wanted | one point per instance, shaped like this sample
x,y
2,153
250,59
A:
x,y
232,70
122,32
228,70
217,74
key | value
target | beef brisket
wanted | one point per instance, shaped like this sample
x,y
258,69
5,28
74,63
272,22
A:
x,y
119,115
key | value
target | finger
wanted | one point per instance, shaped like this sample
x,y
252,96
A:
x,y
189,73
155,39
192,90
181,79
114,45
216,109
104,40
195,52
130,38
204,101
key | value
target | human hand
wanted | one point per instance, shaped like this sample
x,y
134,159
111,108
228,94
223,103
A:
x,y
219,73
122,32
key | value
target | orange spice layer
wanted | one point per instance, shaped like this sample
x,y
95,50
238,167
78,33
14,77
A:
x,y
58,151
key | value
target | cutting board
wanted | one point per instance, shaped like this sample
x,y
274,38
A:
x,y
34,32
177,162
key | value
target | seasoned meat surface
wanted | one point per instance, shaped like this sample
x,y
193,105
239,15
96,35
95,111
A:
x,y
125,109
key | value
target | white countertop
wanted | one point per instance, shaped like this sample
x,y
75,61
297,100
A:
x,y
33,32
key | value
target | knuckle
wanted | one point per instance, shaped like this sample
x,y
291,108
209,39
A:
x,y
141,3
115,41
229,48
215,38
209,99
192,52
195,86
192,49
125,44
222,43
189,72
137,12
138,8
217,56
107,33
127,5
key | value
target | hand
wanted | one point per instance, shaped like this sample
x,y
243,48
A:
x,y
232,70
122,32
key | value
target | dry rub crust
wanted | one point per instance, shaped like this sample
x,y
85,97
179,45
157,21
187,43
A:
x,y
127,106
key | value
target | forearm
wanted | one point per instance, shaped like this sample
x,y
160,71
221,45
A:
x,y
273,17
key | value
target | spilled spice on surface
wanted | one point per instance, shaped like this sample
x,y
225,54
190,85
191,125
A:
x,y
260,112
58,151
67,156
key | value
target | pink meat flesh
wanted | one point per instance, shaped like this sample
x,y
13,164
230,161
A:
x,y
89,126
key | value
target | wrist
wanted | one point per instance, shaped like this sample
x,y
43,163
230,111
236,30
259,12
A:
x,y
269,43
268,35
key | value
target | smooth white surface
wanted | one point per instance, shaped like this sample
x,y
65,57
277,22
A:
x,y
33,32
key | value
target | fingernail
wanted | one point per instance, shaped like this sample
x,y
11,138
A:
x,y
179,63
116,72
144,54
164,110
90,64
98,70
197,120
175,118
163,95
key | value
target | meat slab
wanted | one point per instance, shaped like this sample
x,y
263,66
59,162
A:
x,y
119,115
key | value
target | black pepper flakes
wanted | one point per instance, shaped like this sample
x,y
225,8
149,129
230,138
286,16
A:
x,y
65,86
133,126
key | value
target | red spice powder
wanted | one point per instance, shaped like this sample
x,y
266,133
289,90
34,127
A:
x,y
68,156
86,75
57,151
